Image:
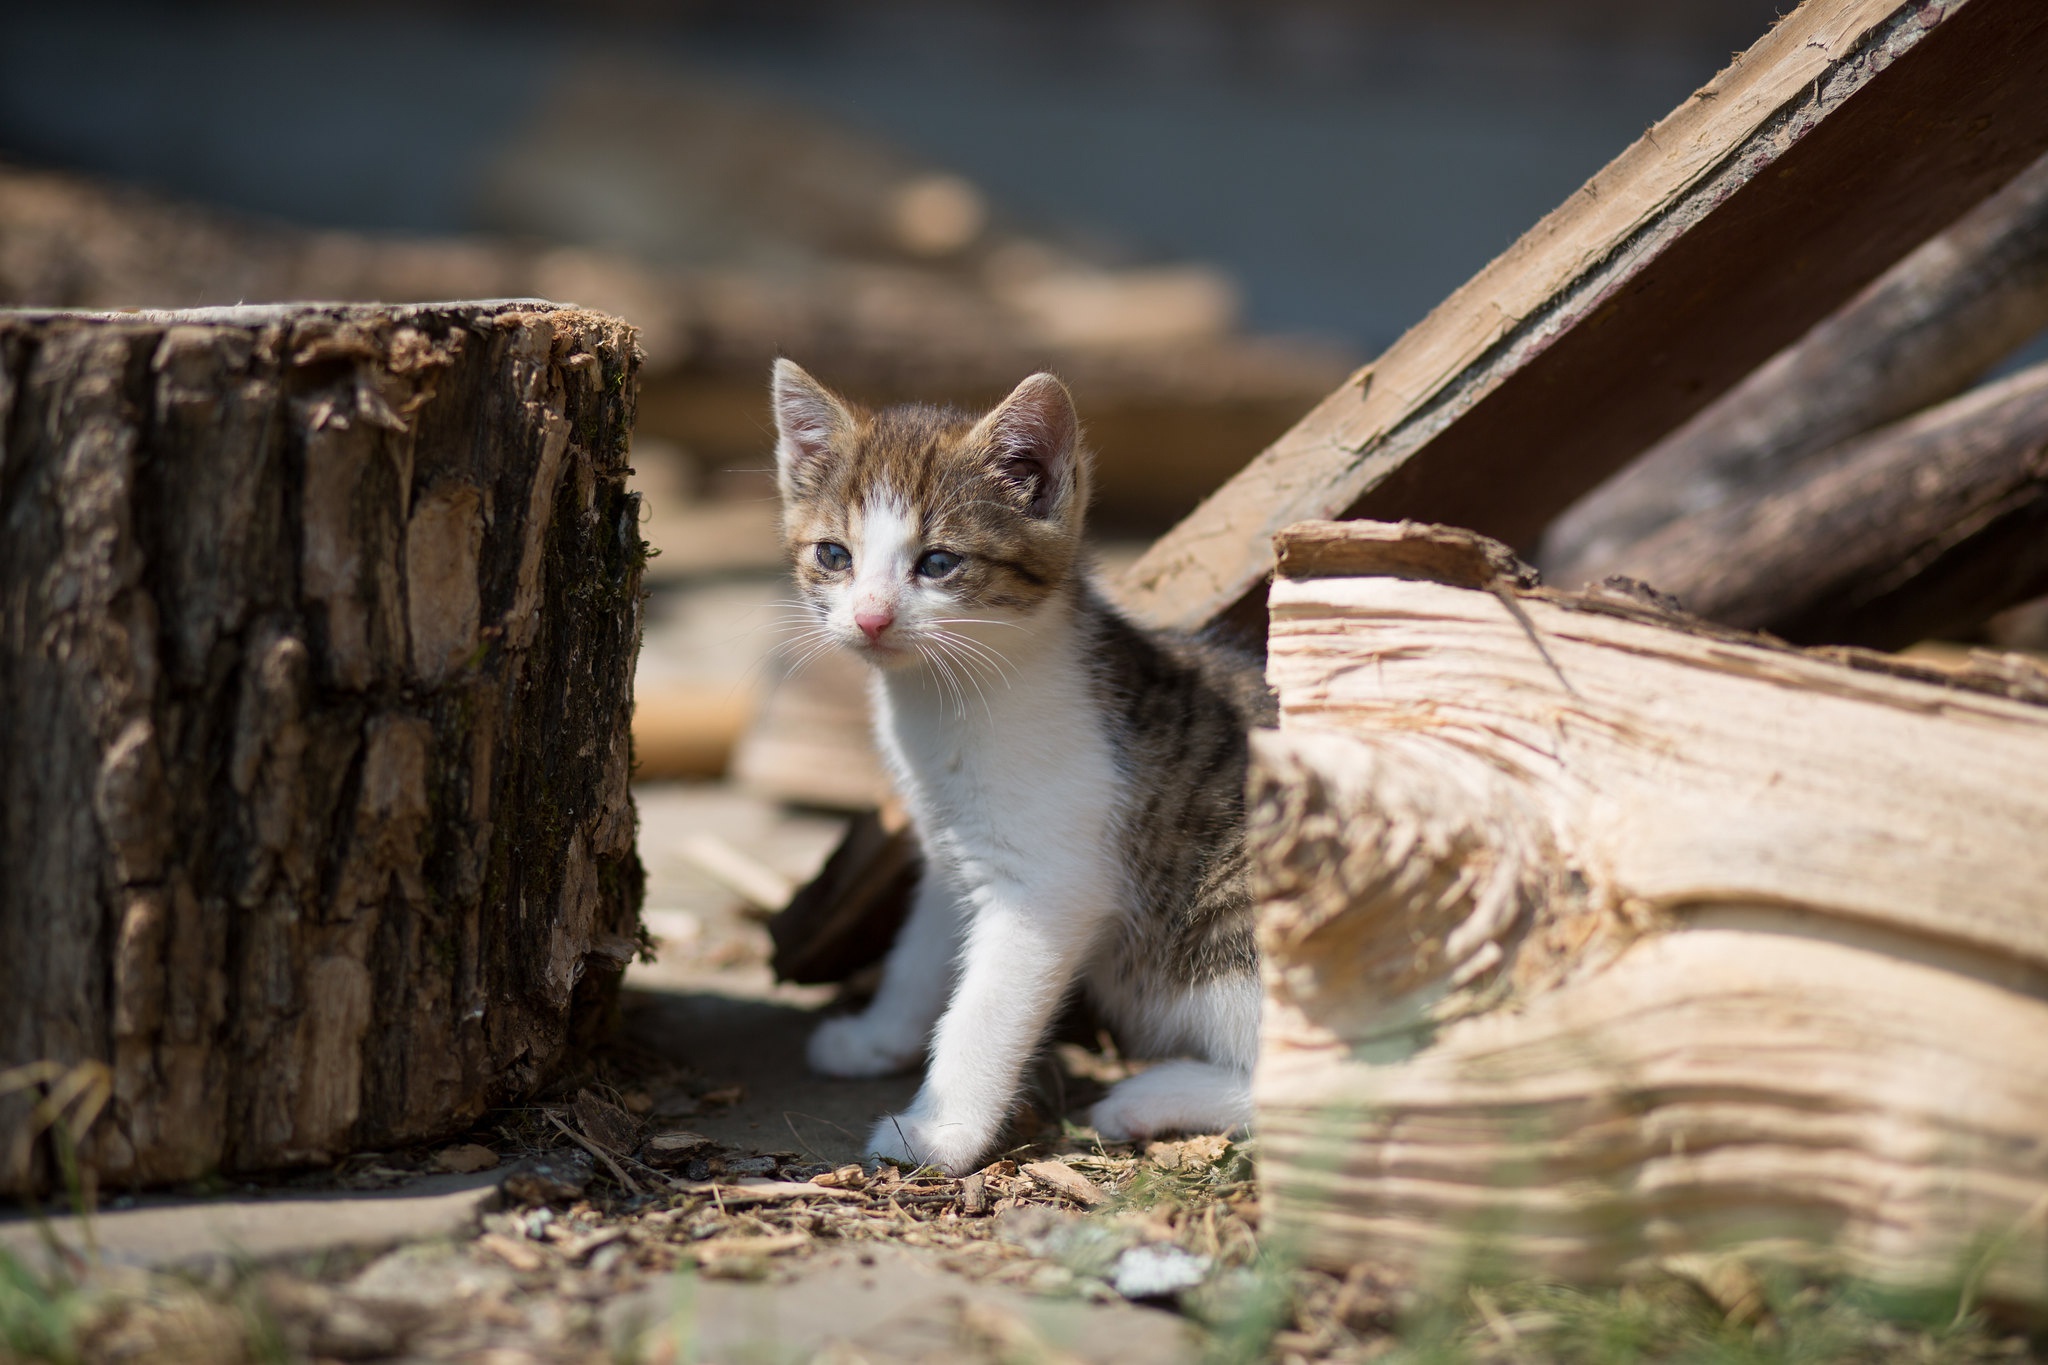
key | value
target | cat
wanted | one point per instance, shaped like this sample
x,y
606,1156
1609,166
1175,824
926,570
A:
x,y
1076,782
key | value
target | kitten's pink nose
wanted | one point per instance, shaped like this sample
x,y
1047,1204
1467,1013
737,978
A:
x,y
873,623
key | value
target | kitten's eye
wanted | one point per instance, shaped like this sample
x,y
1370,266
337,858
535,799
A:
x,y
937,563
834,557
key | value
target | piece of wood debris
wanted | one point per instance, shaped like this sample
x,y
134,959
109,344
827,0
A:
x,y
516,1252
974,1195
668,1149
605,1123
1061,1178
753,881
848,1177
734,1194
577,1248
465,1158
618,1172
685,732
734,1248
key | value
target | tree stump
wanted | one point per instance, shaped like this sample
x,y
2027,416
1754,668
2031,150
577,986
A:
x,y
317,625
1596,935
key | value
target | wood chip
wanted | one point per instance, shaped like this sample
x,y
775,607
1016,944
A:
x,y
974,1195
729,1248
604,1123
513,1251
668,1149
850,1177
740,1192
465,1158
1064,1179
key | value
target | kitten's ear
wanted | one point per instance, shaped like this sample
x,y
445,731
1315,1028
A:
x,y
808,419
1033,437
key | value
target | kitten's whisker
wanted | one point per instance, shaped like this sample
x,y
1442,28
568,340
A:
x,y
985,654
968,672
945,673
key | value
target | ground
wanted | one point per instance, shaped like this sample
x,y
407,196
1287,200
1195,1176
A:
x,y
696,1194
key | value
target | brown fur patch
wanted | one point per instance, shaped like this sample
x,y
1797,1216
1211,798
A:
x,y
945,468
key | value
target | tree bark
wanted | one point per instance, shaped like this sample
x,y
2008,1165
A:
x,y
1932,326
1594,934
316,637
1923,529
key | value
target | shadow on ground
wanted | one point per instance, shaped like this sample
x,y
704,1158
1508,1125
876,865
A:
x,y
758,1045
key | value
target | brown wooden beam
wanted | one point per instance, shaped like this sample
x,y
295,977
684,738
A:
x,y
1849,134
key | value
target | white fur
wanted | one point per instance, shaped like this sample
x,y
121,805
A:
x,y
1014,790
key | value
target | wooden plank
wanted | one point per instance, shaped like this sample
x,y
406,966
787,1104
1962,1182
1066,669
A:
x,y
1935,324
1849,134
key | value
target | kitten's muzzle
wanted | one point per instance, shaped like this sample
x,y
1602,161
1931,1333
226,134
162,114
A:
x,y
873,623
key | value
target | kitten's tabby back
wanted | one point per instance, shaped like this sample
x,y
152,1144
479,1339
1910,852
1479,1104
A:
x,y
1076,782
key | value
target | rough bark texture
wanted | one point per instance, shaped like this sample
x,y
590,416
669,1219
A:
x,y
1932,326
1594,934
1923,529
316,638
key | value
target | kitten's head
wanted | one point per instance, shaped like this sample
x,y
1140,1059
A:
x,y
912,522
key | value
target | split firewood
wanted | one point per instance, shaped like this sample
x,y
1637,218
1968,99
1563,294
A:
x,y
1923,529
1597,935
1932,326
317,628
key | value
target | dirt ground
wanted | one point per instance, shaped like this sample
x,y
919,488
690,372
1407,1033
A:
x,y
696,1194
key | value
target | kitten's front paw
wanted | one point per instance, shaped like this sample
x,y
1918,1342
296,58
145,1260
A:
x,y
1174,1097
912,1141
855,1045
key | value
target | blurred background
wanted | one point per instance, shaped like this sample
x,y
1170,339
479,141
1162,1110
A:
x,y
1202,213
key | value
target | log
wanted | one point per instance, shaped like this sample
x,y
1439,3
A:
x,y
1594,935
1921,530
1845,137
317,626
1170,419
1934,324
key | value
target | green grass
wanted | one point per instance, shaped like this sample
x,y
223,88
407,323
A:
x,y
39,1316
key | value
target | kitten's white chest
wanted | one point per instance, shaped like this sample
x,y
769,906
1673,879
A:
x,y
1017,781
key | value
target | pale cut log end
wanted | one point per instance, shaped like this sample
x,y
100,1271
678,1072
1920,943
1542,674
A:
x,y
1775,983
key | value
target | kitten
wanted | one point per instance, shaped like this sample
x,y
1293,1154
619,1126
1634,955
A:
x,y
1076,782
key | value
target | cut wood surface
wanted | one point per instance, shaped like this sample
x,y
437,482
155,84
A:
x,y
1596,935
317,627
1845,137
1933,325
687,733
1923,529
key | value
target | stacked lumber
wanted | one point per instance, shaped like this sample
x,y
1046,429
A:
x,y
1171,413
317,628
1596,935
1753,215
